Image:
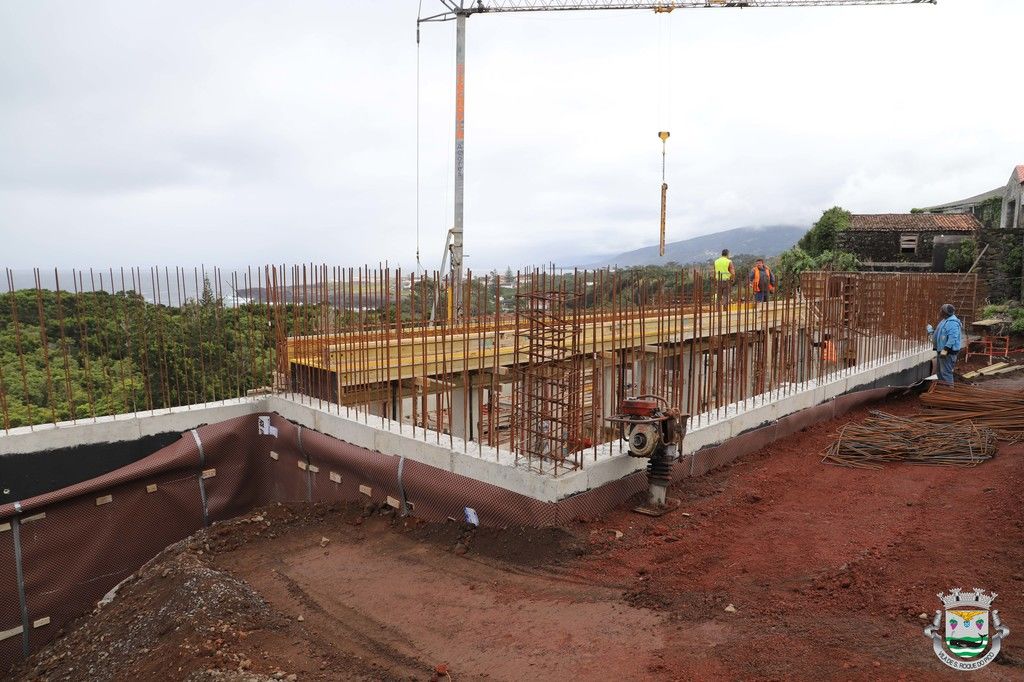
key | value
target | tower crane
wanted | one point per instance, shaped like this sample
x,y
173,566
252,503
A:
x,y
460,10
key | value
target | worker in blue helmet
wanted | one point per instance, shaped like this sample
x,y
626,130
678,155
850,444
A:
x,y
947,339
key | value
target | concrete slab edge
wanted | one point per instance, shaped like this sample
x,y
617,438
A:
x,y
440,451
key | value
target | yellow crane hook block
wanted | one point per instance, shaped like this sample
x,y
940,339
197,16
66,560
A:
x,y
664,193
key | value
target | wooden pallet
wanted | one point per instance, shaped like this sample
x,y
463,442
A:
x,y
997,368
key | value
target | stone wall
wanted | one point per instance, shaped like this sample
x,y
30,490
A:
x,y
884,247
1000,266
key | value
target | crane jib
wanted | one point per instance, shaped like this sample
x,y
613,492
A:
x,y
460,10
456,7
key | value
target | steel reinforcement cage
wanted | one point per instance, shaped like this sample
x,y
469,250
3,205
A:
x,y
533,371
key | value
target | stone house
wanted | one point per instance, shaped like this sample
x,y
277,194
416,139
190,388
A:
x,y
903,241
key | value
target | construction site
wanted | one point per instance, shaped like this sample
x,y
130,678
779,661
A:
x,y
366,473
331,472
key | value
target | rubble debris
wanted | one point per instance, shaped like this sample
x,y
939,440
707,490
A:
x,y
198,612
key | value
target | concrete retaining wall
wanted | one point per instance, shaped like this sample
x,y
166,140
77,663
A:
x,y
124,427
454,455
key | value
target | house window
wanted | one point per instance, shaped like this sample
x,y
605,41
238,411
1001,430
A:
x,y
1011,213
908,243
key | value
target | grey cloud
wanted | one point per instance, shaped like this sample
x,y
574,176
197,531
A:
x,y
267,131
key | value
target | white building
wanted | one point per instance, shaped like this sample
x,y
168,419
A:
x,y
1012,195
1013,198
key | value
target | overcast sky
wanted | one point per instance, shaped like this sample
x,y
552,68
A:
x,y
231,132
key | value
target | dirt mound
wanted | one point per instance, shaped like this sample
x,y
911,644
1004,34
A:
x,y
176,605
180,617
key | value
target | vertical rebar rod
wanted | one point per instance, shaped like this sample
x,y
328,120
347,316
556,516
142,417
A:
x,y
29,403
72,413
160,312
85,348
141,323
45,345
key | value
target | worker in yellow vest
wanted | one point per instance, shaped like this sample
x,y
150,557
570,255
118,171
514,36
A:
x,y
725,273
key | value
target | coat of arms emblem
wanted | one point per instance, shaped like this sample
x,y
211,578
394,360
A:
x,y
972,633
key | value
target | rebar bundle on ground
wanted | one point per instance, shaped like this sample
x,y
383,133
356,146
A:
x,y
887,438
1002,411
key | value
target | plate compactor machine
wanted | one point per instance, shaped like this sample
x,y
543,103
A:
x,y
654,432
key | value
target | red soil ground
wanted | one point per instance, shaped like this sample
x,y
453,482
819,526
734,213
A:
x,y
828,570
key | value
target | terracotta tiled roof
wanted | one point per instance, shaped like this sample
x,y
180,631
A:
x,y
915,222
1020,174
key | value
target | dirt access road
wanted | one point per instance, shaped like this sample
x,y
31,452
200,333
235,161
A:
x,y
827,571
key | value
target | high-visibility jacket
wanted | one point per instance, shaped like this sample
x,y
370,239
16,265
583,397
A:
x,y
722,266
755,279
828,351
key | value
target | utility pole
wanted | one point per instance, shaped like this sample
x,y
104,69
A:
x,y
460,163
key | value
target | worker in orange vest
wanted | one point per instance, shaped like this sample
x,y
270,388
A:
x,y
762,281
829,357
828,350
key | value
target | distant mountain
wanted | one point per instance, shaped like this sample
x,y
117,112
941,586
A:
x,y
766,240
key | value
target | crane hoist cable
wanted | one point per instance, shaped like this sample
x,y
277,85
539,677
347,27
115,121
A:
x,y
419,14
665,107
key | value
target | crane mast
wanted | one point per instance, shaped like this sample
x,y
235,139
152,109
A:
x,y
460,10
